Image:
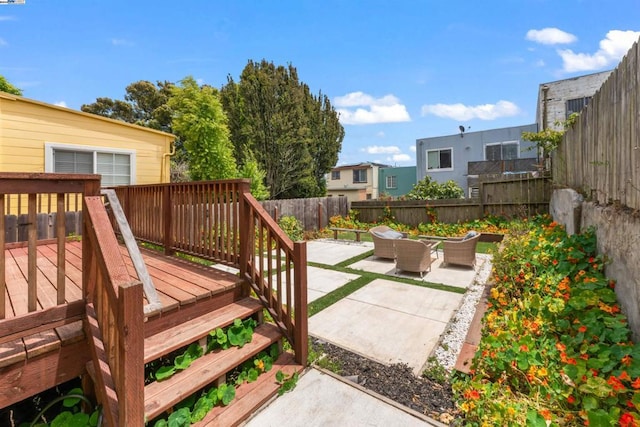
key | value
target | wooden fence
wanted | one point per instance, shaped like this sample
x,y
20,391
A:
x,y
313,213
600,153
508,197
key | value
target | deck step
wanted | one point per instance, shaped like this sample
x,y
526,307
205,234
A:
x,y
185,333
161,395
250,397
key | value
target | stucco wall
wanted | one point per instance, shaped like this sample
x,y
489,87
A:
x,y
618,235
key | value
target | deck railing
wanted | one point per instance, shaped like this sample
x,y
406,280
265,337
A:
x,y
29,204
220,221
115,320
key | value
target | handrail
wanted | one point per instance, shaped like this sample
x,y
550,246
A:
x,y
118,333
221,221
153,301
268,259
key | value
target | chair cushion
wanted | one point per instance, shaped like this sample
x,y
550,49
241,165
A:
x,y
389,234
470,235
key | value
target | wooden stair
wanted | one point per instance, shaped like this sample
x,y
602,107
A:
x,y
212,368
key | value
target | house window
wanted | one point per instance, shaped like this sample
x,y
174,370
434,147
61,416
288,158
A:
x,y
117,167
359,176
335,175
501,151
392,181
576,105
441,159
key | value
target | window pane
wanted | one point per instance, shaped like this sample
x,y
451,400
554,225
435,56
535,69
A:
x,y
445,159
391,182
509,151
433,160
114,168
72,161
493,152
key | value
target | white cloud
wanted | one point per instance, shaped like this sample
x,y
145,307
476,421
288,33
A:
x,y
412,148
7,18
121,42
61,104
379,149
3,42
381,134
550,36
401,157
540,63
464,112
612,48
387,109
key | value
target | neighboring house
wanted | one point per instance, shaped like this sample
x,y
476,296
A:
x,y
40,137
396,181
447,157
558,100
356,182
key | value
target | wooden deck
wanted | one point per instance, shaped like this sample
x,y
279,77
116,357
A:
x,y
185,289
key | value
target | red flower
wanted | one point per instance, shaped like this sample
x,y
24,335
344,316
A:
x,y
554,262
626,360
615,383
627,420
636,383
571,400
582,329
624,376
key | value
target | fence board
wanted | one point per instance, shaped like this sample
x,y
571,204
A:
x,y
600,153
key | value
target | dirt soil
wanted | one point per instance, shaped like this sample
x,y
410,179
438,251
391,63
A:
x,y
396,382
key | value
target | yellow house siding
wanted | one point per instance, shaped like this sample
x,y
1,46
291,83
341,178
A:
x,y
26,126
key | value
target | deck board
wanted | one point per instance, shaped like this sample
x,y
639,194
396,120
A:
x,y
178,283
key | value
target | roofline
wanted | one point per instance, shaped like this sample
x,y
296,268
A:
x,y
475,131
11,97
361,165
576,77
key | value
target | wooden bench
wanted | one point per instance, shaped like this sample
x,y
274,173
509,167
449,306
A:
x,y
347,230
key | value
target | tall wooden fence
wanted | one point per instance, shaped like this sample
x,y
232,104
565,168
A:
x,y
508,197
313,213
600,153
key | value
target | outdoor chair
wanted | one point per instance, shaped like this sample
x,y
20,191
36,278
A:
x,y
414,255
383,240
461,251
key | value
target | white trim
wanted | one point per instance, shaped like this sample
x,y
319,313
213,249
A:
x,y
394,179
50,146
439,169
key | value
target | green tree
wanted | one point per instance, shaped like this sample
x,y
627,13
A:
x,y
428,189
199,117
7,87
250,169
295,136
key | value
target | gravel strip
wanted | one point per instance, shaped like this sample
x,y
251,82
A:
x,y
454,336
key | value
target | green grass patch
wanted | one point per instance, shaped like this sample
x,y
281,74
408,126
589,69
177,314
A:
x,y
333,297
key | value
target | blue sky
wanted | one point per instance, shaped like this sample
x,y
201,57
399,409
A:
x,y
396,70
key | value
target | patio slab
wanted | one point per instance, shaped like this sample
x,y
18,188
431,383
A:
x,y
321,281
332,252
451,275
387,321
320,399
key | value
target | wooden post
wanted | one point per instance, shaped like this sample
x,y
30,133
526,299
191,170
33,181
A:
x,y
131,364
319,216
275,213
3,284
244,230
91,188
167,217
32,227
61,238
301,331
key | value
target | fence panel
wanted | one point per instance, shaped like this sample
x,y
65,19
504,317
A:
x,y
600,153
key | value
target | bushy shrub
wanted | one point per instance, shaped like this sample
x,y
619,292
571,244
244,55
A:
x,y
292,227
428,189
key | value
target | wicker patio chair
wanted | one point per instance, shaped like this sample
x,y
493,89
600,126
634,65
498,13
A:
x,y
413,255
460,251
383,240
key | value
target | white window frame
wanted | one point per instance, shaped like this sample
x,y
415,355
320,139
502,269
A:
x,y
335,175
438,169
516,142
49,148
394,181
